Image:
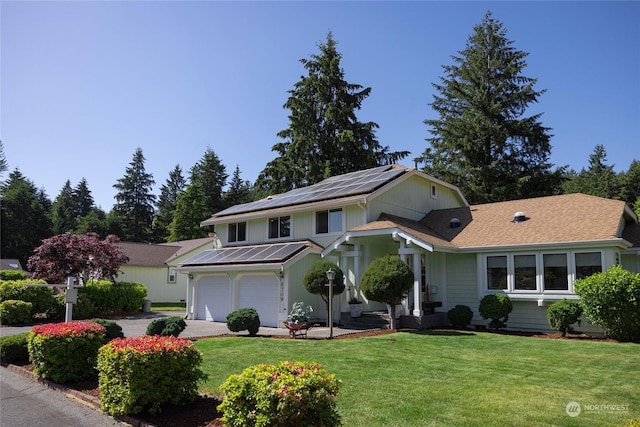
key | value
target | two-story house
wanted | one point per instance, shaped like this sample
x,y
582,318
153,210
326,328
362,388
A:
x,y
530,249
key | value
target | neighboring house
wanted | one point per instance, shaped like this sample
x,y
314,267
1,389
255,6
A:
x,y
154,265
10,264
531,249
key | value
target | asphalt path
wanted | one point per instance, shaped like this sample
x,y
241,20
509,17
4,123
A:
x,y
24,402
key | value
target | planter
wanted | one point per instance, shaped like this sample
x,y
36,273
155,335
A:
x,y
356,310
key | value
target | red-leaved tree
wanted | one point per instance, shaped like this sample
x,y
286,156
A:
x,y
84,256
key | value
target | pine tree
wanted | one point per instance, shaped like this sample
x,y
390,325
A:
x,y
482,141
134,201
25,217
63,216
83,199
630,184
239,191
210,175
190,211
4,166
598,180
167,202
324,136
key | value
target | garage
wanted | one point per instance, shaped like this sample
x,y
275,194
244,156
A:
x,y
213,299
260,291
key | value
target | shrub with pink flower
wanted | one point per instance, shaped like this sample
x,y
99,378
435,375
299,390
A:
x,y
65,352
147,372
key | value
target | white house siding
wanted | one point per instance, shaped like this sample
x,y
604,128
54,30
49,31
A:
x,y
155,280
297,291
631,262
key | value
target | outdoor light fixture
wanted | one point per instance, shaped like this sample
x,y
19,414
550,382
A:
x,y
330,275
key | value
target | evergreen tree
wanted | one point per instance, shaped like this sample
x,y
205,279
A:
x,y
96,222
190,211
82,198
598,180
239,191
134,201
324,136
630,184
210,175
4,166
482,141
167,202
63,217
25,217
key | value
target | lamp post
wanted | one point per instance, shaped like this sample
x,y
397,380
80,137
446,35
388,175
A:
x,y
330,275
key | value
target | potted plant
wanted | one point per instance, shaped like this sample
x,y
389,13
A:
x,y
355,306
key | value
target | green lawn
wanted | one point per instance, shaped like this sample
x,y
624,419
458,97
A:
x,y
168,306
456,379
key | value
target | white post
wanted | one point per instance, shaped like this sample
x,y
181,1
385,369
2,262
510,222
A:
x,y
417,294
330,275
69,313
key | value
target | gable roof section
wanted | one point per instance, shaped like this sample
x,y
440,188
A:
x,y
153,255
568,218
276,253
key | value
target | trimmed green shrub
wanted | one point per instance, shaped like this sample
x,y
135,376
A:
x,y
113,330
14,312
65,352
12,275
611,300
497,308
41,297
13,348
460,316
167,326
562,314
114,297
287,394
147,372
245,319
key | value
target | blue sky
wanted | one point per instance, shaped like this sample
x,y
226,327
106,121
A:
x,y
83,84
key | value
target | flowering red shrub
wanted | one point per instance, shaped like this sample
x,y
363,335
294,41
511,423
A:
x,y
64,352
146,372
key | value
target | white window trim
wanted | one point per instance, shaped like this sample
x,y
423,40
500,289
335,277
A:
x,y
539,293
433,191
246,233
171,271
279,238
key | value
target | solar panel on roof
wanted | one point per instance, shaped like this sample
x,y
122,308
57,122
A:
x,y
277,252
350,184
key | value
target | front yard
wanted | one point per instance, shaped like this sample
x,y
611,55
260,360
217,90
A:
x,y
455,378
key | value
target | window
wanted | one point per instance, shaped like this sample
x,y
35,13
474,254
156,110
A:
x,y
555,272
279,227
497,272
172,275
237,232
434,195
588,263
524,267
329,221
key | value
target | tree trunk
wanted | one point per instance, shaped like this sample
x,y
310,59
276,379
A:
x,y
391,308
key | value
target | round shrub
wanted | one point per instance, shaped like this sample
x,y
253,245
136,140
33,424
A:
x,y
287,394
562,314
611,300
148,372
41,297
167,326
113,330
245,319
460,316
13,348
497,308
14,312
12,275
65,352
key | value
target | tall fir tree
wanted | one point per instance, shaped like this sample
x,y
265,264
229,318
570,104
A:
x,y
210,175
135,201
630,184
4,166
63,216
83,199
482,140
324,136
190,211
599,179
239,190
167,202
25,217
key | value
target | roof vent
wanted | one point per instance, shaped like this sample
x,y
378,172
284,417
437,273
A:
x,y
454,223
519,217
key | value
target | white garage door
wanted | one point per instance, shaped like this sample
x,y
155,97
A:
x,y
214,298
260,292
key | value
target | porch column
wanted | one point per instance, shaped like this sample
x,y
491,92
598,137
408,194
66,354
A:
x,y
417,291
